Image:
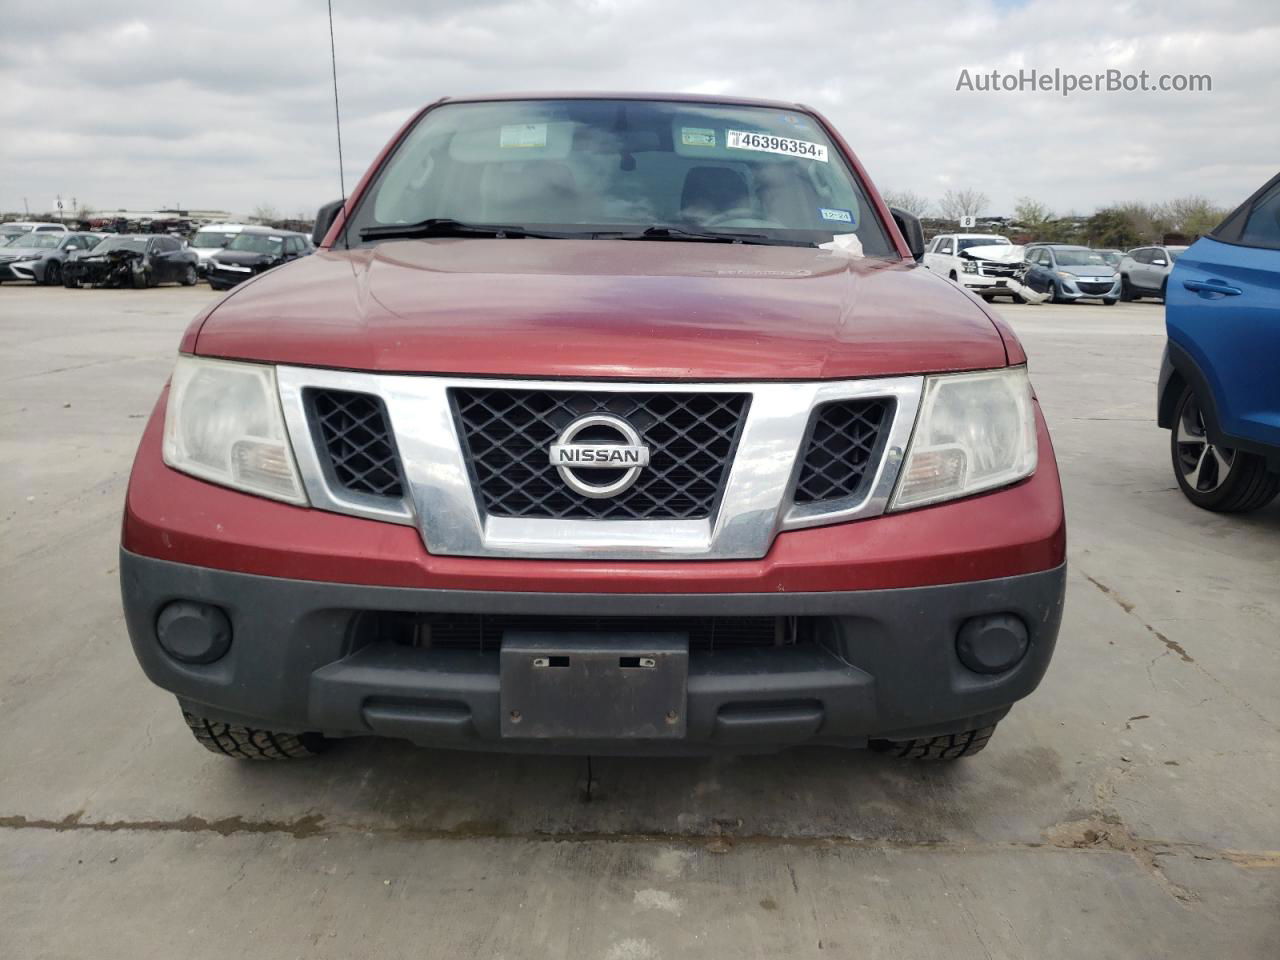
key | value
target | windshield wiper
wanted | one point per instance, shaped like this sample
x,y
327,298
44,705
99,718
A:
x,y
448,227
666,232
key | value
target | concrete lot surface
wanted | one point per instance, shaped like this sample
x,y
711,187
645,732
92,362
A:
x,y
1128,809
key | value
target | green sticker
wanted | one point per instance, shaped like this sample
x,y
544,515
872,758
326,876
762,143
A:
x,y
697,137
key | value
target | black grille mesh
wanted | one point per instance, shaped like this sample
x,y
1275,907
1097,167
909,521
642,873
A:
x,y
353,432
507,436
839,457
465,631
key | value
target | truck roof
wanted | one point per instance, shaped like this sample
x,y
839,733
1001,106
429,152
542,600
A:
x,y
631,95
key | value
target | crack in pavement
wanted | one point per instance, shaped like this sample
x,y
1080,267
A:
x,y
1172,646
1103,833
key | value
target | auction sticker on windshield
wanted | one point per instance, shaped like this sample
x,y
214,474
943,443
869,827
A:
x,y
523,135
768,143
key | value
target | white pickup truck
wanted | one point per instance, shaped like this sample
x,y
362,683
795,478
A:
x,y
987,275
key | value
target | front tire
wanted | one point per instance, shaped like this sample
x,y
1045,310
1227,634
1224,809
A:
x,y
189,277
1164,286
1211,476
1054,295
1111,302
52,274
248,743
951,746
1126,289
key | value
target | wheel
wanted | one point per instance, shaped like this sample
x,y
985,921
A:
x,y
52,274
1109,302
951,746
189,276
70,282
1164,285
1213,477
1054,296
1126,289
139,280
246,743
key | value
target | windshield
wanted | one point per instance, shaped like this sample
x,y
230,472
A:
x,y
207,239
37,241
1111,256
1080,258
580,167
136,244
256,243
968,242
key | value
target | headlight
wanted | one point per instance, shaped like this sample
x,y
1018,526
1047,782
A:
x,y
968,266
1066,276
974,432
28,257
224,424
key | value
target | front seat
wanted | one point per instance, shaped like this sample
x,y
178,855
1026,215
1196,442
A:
x,y
712,191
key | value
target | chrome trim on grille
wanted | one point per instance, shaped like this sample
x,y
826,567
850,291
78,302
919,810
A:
x,y
755,506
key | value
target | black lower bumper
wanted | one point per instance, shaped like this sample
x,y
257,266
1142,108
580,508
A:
x,y
879,664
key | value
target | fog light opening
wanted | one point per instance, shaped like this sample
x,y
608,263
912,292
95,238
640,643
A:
x,y
993,643
193,632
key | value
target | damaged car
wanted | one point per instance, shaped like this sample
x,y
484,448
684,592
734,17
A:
x,y
133,260
252,251
986,264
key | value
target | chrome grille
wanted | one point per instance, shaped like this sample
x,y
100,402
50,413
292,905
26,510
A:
x,y
840,456
507,435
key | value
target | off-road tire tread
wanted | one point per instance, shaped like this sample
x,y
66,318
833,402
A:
x,y
247,743
951,746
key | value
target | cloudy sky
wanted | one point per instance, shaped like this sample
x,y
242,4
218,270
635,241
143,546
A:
x,y
228,104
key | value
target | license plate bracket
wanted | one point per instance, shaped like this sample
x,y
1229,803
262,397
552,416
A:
x,y
594,686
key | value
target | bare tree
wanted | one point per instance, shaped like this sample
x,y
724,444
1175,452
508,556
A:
x,y
962,203
1032,213
265,213
914,203
1191,215
1146,222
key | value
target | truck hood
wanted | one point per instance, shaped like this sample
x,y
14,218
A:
x,y
603,308
996,252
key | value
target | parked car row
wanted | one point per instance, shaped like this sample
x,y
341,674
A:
x,y
991,266
227,254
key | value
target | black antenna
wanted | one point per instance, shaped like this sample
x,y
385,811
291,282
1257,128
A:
x,y
337,120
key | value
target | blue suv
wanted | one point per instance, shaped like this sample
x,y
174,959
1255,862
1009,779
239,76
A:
x,y
1220,380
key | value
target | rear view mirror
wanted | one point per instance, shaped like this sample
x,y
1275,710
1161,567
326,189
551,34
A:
x,y
912,232
324,220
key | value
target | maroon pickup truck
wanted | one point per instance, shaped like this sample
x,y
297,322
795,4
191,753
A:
x,y
599,423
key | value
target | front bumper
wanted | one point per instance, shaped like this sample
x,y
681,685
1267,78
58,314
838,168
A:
x,y
224,277
1088,290
17,270
884,665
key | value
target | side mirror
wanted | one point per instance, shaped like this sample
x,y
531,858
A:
x,y
912,232
1158,263
324,220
